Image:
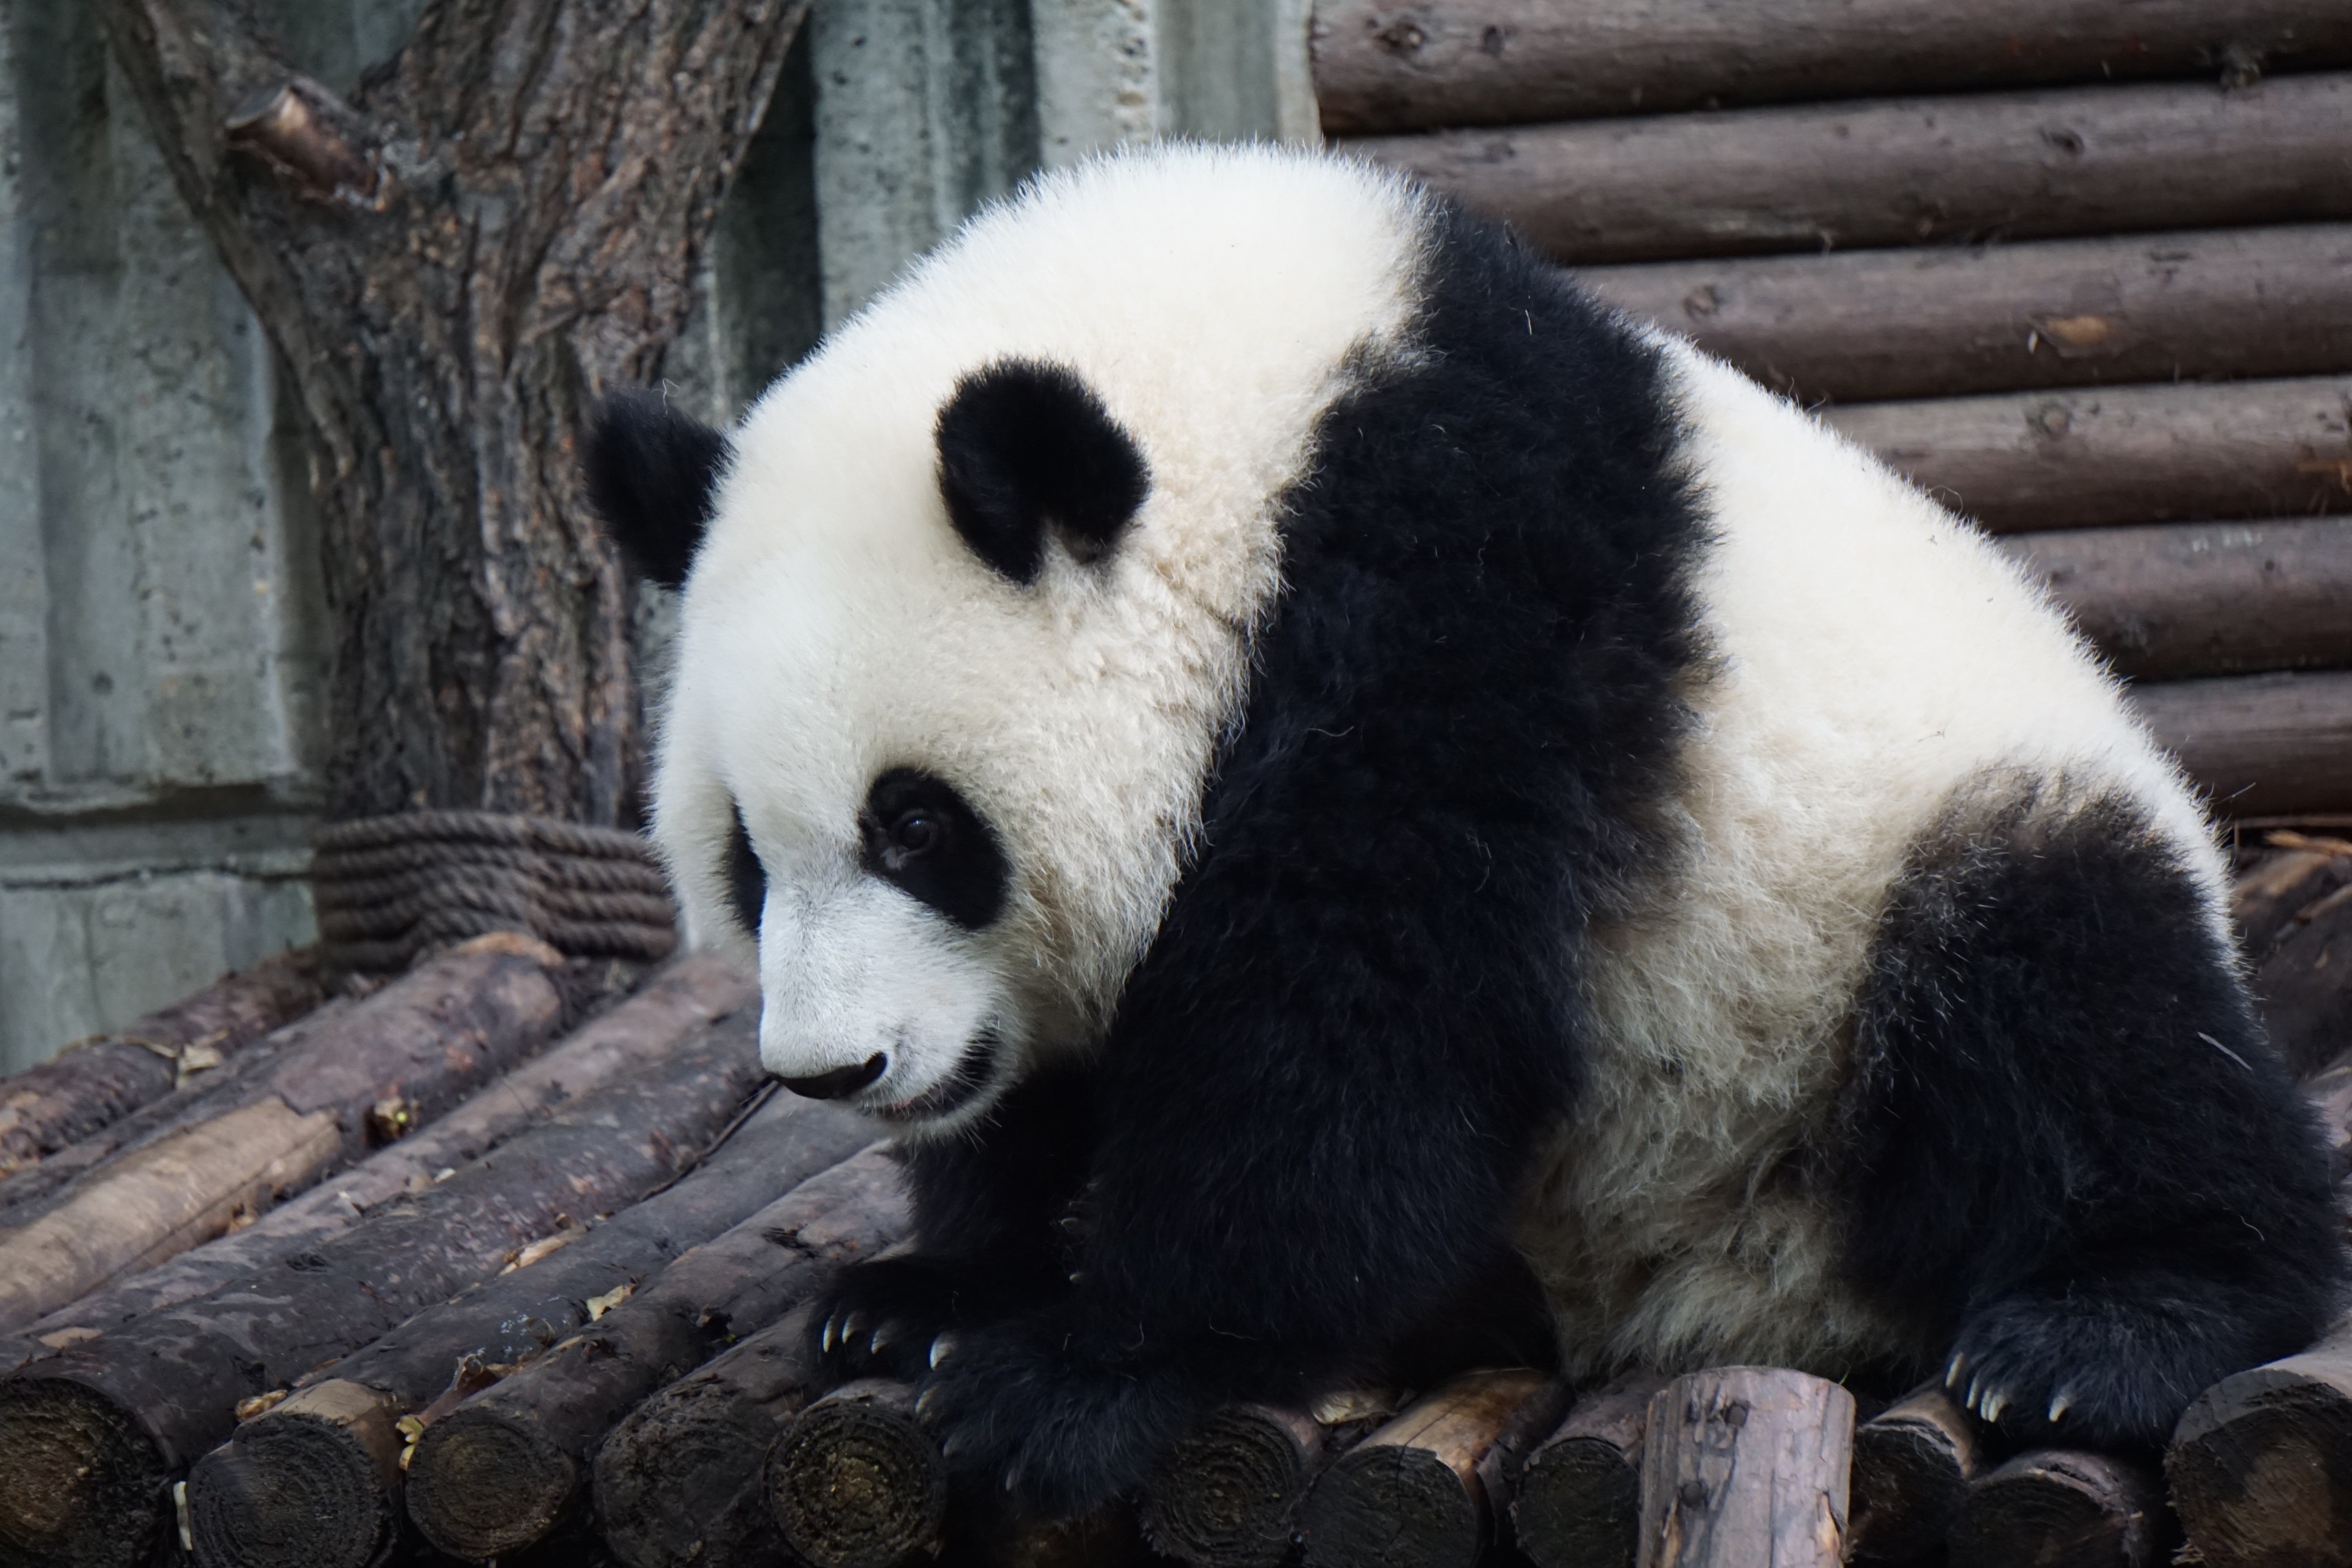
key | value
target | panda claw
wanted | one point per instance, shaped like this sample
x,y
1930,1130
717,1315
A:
x,y
924,1402
2061,1404
1955,1369
832,1333
853,1325
1976,1390
942,1348
1994,1404
1012,1478
880,1337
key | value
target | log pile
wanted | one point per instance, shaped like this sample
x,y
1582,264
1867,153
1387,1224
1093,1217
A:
x,y
2075,271
560,1320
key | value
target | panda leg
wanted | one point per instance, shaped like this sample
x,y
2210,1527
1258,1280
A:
x,y
2073,1154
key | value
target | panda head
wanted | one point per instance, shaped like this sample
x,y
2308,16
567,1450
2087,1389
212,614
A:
x,y
966,602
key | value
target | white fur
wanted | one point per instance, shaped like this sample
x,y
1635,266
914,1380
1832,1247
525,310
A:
x,y
1876,653
836,626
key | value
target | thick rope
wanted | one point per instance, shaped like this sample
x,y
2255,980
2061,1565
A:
x,y
388,889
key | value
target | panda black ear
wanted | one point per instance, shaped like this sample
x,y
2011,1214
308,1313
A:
x,y
653,475
1024,446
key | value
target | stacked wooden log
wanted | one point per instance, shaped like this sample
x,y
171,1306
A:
x,y
560,1318
2081,270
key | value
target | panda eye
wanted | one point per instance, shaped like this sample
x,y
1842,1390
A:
x,y
921,835
917,833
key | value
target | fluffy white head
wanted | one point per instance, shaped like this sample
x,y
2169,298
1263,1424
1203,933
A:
x,y
836,627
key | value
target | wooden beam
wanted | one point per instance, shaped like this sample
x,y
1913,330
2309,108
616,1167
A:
x,y
1746,1465
1578,1501
1911,1465
2085,160
854,1483
94,1082
1382,66
503,1471
1913,322
2058,1505
90,1437
2261,1465
2258,744
1410,1496
1228,1494
2021,461
2178,600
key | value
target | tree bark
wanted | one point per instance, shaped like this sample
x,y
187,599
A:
x,y
2055,1505
1911,1465
90,1437
2261,1465
497,230
2259,745
679,1483
2213,598
2106,160
392,1062
502,1472
1578,1503
250,1497
94,1083
854,1482
2021,461
1387,67
1855,325
1410,1496
1747,1467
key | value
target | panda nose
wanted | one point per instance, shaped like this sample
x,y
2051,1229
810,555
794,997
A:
x,y
841,1082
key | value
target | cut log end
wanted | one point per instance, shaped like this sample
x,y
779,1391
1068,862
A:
x,y
1579,1502
854,1482
2088,1511
312,1483
679,1482
1393,1506
1912,1465
1227,1496
1746,1465
2261,1467
80,1484
481,1484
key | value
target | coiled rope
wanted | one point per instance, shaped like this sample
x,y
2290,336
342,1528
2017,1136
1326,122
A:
x,y
389,887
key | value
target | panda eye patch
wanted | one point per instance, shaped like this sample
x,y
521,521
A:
x,y
747,879
919,834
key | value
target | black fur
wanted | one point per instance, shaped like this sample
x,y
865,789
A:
x,y
652,472
1025,445
918,834
2071,1153
747,879
1327,1074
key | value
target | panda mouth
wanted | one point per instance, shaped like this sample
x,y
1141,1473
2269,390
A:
x,y
962,1084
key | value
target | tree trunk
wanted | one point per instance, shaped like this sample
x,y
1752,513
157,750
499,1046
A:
x,y
498,230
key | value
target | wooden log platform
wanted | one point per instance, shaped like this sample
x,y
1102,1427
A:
x,y
2261,1465
502,1472
259,1500
2018,461
1579,1501
1911,1465
1228,1494
97,1081
2059,1505
2177,600
1852,176
2259,745
89,1436
1851,326
1385,66
680,1482
395,1060
662,1018
854,1483
1744,1466
2271,897
1410,1496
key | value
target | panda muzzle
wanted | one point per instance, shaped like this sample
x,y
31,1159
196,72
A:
x,y
841,1082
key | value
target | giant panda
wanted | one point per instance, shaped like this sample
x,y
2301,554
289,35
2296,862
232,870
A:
x,y
1298,764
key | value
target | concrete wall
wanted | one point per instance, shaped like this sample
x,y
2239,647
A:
x,y
161,627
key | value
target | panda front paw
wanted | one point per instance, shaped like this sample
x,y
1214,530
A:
x,y
889,1317
1031,1409
2087,1369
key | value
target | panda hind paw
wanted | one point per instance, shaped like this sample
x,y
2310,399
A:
x,y
2045,1370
